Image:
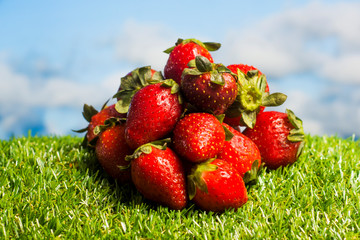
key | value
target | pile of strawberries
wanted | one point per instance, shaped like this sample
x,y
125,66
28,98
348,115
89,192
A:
x,y
178,137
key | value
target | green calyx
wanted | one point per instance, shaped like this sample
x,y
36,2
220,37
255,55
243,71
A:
x,y
201,65
133,82
210,46
88,112
195,179
297,133
147,148
251,96
251,176
228,134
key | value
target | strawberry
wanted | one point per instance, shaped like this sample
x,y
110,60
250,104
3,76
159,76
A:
x,y
183,52
158,174
95,119
153,113
198,137
209,87
253,96
242,153
133,82
111,150
279,137
215,185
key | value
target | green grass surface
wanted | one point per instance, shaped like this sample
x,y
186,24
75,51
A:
x,y
50,188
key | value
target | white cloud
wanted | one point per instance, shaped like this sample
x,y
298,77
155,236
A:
x,y
143,44
311,38
25,103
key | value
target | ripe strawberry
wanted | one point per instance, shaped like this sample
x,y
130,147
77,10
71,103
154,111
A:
x,y
133,82
95,119
253,96
153,113
198,137
279,137
158,174
242,153
183,52
209,87
111,150
216,185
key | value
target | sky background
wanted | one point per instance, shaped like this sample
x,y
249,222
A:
x,y
57,55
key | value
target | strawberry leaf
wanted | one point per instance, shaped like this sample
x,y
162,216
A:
x,y
251,176
147,148
203,64
169,83
228,134
195,179
273,100
212,46
88,112
249,118
297,134
217,78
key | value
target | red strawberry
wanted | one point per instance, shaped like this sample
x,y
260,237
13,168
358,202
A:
x,y
253,96
209,87
183,52
111,150
133,82
158,175
95,119
279,137
216,185
242,153
198,137
153,113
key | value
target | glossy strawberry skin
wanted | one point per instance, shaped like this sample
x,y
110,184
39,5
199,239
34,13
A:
x,y
99,119
111,149
180,57
208,96
240,151
270,135
152,115
198,137
226,189
159,176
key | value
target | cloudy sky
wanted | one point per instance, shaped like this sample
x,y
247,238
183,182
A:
x,y
57,55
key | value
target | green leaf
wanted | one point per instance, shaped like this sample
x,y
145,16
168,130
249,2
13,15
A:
x,y
228,134
295,121
297,134
125,97
251,176
192,64
216,78
249,118
203,64
212,46
170,83
80,130
191,71
220,117
195,179
273,100
88,112
191,186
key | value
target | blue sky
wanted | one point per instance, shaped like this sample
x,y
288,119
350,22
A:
x,y
56,56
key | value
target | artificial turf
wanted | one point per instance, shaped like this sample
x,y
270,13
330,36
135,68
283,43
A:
x,y
52,188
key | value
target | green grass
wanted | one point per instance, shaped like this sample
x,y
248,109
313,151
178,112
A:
x,y
50,188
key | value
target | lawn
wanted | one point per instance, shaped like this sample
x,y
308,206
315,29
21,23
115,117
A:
x,y
51,188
